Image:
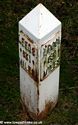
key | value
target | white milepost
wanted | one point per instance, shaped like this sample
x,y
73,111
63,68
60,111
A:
x,y
39,55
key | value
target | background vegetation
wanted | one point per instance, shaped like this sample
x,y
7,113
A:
x,y
11,11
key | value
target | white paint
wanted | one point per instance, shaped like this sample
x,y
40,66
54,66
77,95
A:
x,y
41,26
48,89
28,90
39,22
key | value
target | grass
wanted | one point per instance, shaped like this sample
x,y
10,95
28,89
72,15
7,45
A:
x,y
11,11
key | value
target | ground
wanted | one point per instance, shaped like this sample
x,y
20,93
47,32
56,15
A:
x,y
11,11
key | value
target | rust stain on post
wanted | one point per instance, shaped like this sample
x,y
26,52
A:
x,y
39,54
43,114
48,107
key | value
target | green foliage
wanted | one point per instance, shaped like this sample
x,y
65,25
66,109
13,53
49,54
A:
x,y
11,11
